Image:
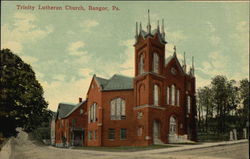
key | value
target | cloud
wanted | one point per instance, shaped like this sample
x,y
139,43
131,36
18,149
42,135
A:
x,y
214,40
128,65
75,48
211,27
29,59
176,36
59,77
89,23
85,71
23,31
61,91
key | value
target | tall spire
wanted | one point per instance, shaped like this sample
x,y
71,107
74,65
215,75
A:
x,y
193,65
140,28
158,25
136,31
174,50
162,29
184,63
149,26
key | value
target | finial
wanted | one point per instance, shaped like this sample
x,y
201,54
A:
x,y
174,50
162,29
184,62
136,31
149,26
140,27
193,64
158,25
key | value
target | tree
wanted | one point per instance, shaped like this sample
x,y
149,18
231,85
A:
x,y
22,103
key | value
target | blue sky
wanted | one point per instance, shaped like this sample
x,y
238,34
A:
x,y
65,48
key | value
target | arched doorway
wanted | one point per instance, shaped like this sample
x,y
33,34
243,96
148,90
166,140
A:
x,y
172,137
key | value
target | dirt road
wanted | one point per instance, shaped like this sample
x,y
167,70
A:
x,y
22,148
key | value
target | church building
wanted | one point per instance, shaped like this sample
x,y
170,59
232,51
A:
x,y
156,106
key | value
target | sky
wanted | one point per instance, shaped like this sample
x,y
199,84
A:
x,y
67,47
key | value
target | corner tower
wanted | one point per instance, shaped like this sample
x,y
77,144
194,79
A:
x,y
149,61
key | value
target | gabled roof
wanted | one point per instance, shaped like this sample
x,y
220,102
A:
x,y
63,109
116,82
170,58
72,110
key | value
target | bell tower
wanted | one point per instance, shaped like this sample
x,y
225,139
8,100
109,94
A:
x,y
149,60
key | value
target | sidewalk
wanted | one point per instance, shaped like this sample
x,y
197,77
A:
x,y
182,147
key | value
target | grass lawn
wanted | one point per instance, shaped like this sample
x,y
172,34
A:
x,y
124,148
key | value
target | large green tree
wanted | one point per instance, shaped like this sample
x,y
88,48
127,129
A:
x,y
22,103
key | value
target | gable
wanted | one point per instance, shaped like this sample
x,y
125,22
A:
x,y
173,62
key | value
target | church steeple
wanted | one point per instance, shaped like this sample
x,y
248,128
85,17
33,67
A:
x,y
162,29
184,63
174,51
136,31
149,25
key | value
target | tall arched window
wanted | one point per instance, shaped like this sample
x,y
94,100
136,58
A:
x,y
92,113
156,95
155,63
188,104
167,95
178,97
172,95
172,125
141,64
117,109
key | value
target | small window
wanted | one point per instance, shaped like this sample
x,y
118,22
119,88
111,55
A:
x,y
167,95
156,95
90,135
155,63
94,134
188,104
139,131
81,111
172,95
178,97
139,115
123,134
111,134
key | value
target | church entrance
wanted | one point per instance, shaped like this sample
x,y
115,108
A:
x,y
156,132
172,137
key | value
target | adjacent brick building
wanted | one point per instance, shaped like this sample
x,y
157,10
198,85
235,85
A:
x,y
156,106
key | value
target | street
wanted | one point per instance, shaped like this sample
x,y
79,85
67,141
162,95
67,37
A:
x,y
22,148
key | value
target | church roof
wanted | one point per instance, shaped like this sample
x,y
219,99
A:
x,y
75,107
160,36
116,82
63,109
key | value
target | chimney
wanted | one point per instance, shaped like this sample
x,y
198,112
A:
x,y
80,100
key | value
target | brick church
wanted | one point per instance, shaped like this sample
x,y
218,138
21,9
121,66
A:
x,y
155,106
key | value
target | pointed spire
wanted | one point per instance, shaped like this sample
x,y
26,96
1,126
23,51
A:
x,y
158,25
149,26
140,28
162,29
174,50
184,63
136,31
193,65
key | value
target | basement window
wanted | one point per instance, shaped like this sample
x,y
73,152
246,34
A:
x,y
111,134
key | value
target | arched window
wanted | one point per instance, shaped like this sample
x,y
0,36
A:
x,y
117,109
172,125
172,95
178,97
167,95
155,63
141,64
188,104
156,95
92,113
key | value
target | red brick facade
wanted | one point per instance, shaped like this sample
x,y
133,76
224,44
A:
x,y
158,108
